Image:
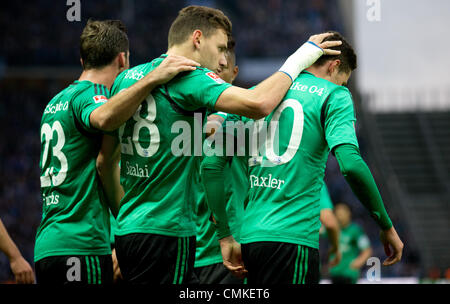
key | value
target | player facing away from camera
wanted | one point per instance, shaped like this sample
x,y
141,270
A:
x,y
209,267
155,239
72,242
280,230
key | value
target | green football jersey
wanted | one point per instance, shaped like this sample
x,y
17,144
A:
x,y
236,185
160,152
351,242
286,175
75,218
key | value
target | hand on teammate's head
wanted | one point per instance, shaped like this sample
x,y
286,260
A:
x,y
325,45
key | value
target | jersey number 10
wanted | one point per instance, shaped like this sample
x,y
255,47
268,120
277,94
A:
x,y
272,136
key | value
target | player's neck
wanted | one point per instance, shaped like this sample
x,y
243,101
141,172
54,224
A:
x,y
104,76
318,72
181,50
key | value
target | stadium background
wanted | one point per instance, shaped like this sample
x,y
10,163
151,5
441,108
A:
x,y
407,147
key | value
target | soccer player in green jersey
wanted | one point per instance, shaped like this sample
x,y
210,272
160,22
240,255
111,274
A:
x,y
280,230
355,247
72,242
209,267
155,239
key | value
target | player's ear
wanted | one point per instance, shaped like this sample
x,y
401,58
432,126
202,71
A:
x,y
122,61
197,36
235,72
334,66
81,61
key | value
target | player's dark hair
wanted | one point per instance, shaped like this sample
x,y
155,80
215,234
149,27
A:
x,y
194,17
101,42
230,49
347,57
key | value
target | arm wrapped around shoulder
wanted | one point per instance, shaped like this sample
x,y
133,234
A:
x,y
302,59
360,179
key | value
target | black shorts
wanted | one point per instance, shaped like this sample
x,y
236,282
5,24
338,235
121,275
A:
x,y
216,274
156,259
280,263
75,269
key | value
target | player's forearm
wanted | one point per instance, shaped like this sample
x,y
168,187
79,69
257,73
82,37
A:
x,y
262,100
331,225
333,236
365,254
108,169
257,103
7,245
363,257
110,177
268,94
212,174
362,183
271,91
123,105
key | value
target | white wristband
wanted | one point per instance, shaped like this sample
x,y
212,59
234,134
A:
x,y
302,59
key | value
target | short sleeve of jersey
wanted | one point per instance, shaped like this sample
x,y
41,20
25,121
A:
x,y
325,200
339,122
84,104
362,240
198,89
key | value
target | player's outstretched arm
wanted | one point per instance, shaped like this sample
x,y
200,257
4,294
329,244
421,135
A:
x,y
122,106
261,101
361,181
19,266
109,171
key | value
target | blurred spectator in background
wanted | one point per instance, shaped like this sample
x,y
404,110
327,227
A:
x,y
354,246
19,266
330,225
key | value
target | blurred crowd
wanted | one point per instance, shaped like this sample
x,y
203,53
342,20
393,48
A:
x,y
274,28
39,34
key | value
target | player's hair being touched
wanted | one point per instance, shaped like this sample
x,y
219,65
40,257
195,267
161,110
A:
x,y
347,57
194,17
101,42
